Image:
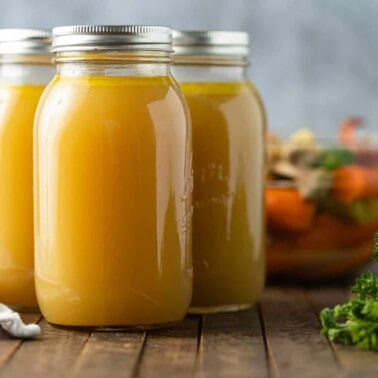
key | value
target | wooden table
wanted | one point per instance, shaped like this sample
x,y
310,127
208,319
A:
x,y
279,338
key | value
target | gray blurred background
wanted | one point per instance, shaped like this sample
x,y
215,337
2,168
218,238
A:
x,y
314,61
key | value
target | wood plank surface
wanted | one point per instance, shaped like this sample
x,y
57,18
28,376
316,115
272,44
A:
x,y
51,355
353,362
232,345
281,338
170,352
295,346
109,354
9,345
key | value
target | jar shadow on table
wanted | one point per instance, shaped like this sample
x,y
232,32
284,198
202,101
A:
x,y
118,329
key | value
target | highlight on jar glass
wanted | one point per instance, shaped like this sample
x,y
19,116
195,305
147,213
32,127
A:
x,y
113,182
322,203
25,69
228,125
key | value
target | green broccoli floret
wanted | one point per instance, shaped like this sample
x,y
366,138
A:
x,y
356,322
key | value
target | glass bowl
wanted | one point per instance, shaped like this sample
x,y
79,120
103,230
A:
x,y
321,205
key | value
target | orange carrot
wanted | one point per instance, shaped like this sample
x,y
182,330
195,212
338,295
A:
x,y
353,182
286,210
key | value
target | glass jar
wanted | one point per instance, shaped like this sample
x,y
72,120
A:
x,y
113,182
25,69
228,124
322,204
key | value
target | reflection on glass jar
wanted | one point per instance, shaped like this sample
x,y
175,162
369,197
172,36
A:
x,y
113,174
322,204
25,68
228,159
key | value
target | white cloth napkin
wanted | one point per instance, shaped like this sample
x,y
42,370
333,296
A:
x,y
12,323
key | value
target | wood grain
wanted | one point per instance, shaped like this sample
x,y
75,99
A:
x,y
109,355
296,348
232,345
170,352
51,355
283,340
353,362
322,297
9,345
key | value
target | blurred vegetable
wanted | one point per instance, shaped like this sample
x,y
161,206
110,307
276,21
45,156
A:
x,y
352,182
287,211
362,211
323,230
303,139
336,158
314,183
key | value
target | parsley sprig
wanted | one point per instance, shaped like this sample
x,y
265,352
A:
x,y
356,322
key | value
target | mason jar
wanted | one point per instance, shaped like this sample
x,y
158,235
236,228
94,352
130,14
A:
x,y
228,124
25,69
113,181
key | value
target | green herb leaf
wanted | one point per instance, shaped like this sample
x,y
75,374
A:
x,y
356,322
332,159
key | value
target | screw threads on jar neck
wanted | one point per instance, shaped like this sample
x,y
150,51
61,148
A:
x,y
31,46
116,43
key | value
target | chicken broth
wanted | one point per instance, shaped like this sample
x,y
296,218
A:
x,y
112,183
228,242
17,107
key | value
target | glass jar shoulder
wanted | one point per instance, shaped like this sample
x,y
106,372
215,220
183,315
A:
x,y
11,94
216,88
237,101
223,91
14,97
104,98
90,87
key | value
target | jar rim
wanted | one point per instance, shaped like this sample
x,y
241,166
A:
x,y
112,37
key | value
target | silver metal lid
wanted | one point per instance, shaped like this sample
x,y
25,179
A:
x,y
210,43
25,42
112,37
